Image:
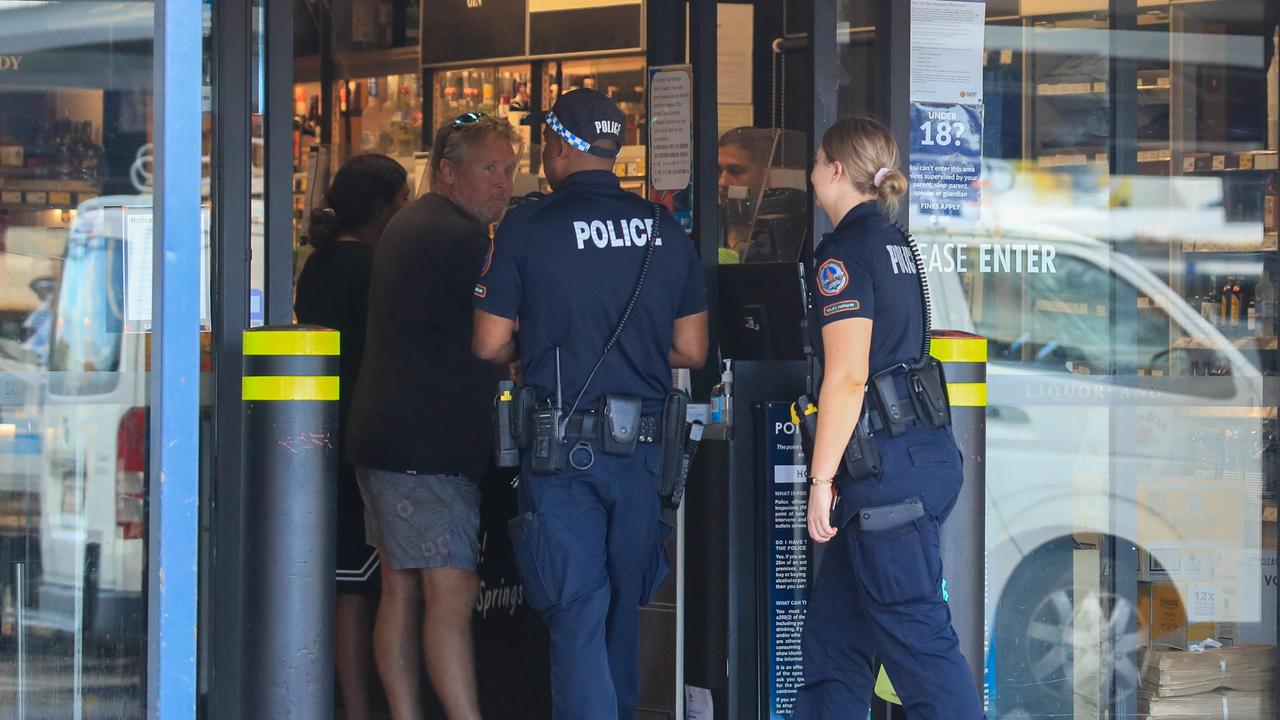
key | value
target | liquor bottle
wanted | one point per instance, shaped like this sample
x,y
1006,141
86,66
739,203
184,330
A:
x,y
1224,302
1237,298
1208,308
1251,314
373,121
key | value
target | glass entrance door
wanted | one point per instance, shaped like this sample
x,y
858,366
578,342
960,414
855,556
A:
x,y
1124,269
76,106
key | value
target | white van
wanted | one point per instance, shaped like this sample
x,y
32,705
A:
x,y
1097,437
95,414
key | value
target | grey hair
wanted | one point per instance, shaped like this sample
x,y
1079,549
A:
x,y
454,141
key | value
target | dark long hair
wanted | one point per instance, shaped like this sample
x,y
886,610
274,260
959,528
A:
x,y
362,188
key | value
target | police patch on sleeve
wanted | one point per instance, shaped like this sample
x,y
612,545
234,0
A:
x,y
841,307
832,277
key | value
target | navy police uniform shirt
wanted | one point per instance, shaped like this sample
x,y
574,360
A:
x,y
864,269
565,267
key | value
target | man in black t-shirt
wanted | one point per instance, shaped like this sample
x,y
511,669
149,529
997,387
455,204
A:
x,y
420,428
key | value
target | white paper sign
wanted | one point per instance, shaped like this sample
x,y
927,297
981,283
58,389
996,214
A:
x,y
137,269
670,130
698,704
139,229
946,50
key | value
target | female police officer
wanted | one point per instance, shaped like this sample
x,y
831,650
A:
x,y
878,592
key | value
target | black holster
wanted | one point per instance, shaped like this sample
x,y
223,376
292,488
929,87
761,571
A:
x,y
680,440
928,387
925,398
512,422
861,455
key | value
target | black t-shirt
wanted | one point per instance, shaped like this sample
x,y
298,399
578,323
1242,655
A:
x,y
865,269
333,292
566,265
424,403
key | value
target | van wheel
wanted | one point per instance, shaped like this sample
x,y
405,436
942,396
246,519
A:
x,y
1058,645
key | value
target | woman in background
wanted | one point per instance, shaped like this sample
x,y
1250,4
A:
x,y
333,292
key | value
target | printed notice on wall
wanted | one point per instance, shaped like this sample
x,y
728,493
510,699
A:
x,y
139,233
137,268
670,129
946,50
788,560
946,164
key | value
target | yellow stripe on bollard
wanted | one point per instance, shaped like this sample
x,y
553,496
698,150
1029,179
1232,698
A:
x,y
967,394
286,387
292,342
959,350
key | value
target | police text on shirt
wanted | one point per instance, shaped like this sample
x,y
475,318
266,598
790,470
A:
x,y
614,233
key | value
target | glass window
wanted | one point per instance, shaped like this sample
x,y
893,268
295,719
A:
x,y
76,114
1123,267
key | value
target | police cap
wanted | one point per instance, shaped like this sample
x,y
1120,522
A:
x,y
581,117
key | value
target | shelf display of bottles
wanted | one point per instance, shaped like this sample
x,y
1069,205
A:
x,y
494,90
63,149
378,114
1238,306
622,79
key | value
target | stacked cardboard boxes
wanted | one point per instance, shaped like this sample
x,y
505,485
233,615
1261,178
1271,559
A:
x,y
1217,683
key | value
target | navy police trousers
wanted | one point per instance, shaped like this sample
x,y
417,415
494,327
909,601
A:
x,y
878,598
590,546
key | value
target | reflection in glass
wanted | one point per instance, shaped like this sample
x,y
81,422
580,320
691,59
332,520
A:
x,y
75,153
1124,271
763,195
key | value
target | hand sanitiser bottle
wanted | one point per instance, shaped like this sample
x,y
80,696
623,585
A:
x,y
722,397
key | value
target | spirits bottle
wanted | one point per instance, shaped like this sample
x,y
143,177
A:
x,y
1224,303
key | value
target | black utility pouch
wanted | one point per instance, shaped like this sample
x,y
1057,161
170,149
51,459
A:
x,y
861,455
621,424
928,387
884,393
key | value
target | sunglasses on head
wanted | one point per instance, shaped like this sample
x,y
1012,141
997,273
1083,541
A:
x,y
467,119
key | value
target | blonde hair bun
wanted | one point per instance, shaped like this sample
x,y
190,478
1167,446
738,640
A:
x,y
892,186
866,149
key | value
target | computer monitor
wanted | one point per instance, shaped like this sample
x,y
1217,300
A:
x,y
762,310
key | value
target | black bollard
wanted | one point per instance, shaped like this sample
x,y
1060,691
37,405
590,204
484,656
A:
x,y
290,397
964,360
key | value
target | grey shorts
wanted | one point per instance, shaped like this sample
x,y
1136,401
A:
x,y
422,521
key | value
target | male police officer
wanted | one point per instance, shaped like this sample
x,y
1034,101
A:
x,y
590,537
